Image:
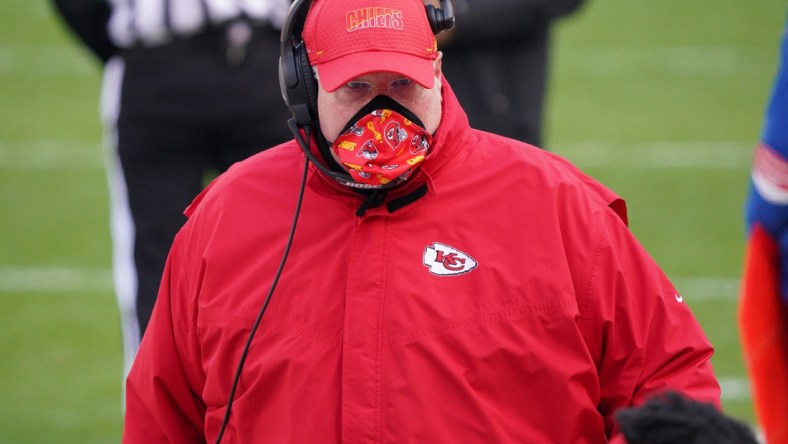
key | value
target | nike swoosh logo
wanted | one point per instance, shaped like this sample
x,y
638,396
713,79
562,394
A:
x,y
679,298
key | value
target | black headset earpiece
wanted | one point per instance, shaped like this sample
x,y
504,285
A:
x,y
441,19
296,79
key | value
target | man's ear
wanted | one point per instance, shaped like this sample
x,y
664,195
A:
x,y
437,65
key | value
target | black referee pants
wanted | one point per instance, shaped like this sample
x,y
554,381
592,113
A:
x,y
176,115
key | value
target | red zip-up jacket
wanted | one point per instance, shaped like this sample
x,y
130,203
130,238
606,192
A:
x,y
498,297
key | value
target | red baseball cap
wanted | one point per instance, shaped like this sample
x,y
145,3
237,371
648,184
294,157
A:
x,y
346,39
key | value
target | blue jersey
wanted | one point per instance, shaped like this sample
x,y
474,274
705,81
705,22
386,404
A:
x,y
767,202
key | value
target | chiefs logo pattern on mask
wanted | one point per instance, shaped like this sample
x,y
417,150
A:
x,y
381,145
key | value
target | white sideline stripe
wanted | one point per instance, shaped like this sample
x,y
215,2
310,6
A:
x,y
63,279
37,9
707,288
50,154
53,280
715,61
735,388
706,155
48,61
704,61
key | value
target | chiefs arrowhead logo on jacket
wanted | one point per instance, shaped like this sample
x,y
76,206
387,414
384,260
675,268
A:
x,y
444,260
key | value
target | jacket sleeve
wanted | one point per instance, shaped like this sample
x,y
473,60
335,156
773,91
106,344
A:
x,y
88,19
643,336
495,21
163,403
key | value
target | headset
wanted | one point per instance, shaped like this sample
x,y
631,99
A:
x,y
299,86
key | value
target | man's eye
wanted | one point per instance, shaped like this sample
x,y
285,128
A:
x,y
356,85
401,82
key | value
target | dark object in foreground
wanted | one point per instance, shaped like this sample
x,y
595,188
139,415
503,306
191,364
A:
x,y
671,418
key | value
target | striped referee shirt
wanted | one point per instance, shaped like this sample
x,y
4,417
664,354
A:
x,y
156,22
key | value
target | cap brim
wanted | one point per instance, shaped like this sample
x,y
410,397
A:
x,y
337,72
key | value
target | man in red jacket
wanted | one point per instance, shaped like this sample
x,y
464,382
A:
x,y
393,275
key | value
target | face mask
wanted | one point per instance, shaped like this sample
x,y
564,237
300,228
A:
x,y
382,144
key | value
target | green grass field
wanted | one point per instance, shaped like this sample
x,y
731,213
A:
x,y
662,101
